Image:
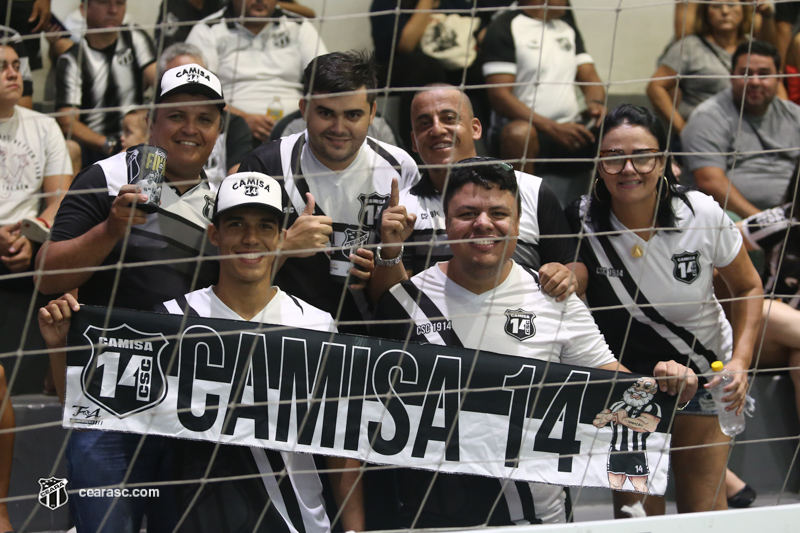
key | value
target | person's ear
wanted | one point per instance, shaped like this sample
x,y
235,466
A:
x,y
213,235
477,129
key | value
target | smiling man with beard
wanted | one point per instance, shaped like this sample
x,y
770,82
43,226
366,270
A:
x,y
742,142
632,419
466,302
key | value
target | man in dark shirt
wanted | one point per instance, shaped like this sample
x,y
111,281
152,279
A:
x,y
97,226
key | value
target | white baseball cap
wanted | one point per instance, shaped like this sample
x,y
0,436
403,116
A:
x,y
248,189
191,79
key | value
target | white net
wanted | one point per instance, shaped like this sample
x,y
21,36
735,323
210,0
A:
x,y
630,44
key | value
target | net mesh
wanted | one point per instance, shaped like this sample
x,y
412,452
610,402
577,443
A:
x,y
625,39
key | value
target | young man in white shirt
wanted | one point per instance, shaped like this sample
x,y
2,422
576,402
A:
x,y
467,302
246,227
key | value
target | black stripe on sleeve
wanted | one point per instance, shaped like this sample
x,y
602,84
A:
x,y
526,498
188,310
552,221
287,491
381,151
432,312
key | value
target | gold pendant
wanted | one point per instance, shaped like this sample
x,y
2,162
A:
x,y
637,251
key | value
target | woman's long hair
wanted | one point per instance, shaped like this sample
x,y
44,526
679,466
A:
x,y
702,26
600,199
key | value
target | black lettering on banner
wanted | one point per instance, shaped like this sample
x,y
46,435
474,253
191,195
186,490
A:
x,y
520,385
443,390
565,408
327,391
359,364
392,368
327,382
201,359
251,369
293,386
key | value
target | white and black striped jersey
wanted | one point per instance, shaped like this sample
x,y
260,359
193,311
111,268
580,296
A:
x,y
624,439
256,68
777,233
96,80
541,217
354,198
661,306
284,486
518,319
542,56
168,244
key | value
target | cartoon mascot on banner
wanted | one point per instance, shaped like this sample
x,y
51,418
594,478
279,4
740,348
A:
x,y
632,419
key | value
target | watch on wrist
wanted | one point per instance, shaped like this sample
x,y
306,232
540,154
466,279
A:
x,y
379,261
111,145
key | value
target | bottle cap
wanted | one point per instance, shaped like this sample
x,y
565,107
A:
x,y
717,366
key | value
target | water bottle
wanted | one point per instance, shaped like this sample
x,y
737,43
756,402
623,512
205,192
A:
x,y
275,109
730,423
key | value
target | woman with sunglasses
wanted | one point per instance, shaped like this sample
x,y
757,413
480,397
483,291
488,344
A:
x,y
651,247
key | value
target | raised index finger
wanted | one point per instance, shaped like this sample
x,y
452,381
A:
x,y
394,199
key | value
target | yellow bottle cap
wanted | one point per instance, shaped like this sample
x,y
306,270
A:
x,y
717,366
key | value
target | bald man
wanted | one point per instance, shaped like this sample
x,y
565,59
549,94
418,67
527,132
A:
x,y
444,131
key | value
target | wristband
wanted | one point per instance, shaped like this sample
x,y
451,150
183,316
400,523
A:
x,y
110,145
379,261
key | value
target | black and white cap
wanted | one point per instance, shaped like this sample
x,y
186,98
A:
x,y
190,79
248,189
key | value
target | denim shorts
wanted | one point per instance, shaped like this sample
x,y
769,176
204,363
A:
x,y
702,403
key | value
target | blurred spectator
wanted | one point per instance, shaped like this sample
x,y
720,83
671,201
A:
x,y
12,37
27,17
134,127
235,141
418,47
777,232
106,71
260,63
745,160
787,24
175,17
764,19
719,28
34,169
532,59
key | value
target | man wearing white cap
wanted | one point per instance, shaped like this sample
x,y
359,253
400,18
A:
x,y
153,257
246,227
283,487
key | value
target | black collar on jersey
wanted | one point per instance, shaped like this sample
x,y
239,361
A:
x,y
297,173
297,170
424,188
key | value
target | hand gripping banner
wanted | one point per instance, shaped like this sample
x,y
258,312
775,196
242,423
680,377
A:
x,y
422,406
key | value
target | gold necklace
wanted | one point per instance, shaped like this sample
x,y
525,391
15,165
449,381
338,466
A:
x,y
636,251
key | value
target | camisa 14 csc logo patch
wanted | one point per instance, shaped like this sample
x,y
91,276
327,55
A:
x,y
519,324
124,374
371,207
687,268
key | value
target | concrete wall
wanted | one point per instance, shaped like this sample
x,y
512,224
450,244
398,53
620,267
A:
x,y
624,36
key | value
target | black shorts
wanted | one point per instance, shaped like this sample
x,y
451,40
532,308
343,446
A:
x,y
628,463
